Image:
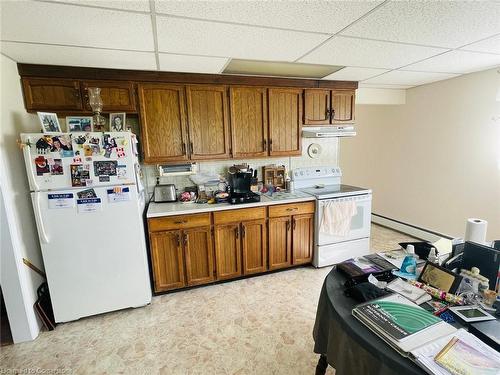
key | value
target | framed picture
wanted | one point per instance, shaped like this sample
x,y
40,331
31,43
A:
x,y
79,124
439,277
117,122
49,121
471,313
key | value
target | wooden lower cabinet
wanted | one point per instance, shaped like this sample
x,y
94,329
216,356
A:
x,y
280,242
189,250
302,238
198,255
254,249
227,251
168,260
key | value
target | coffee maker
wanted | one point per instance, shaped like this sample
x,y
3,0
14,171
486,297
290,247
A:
x,y
239,181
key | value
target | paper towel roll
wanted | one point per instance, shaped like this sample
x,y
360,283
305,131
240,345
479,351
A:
x,y
475,230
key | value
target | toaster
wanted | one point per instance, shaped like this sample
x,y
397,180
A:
x,y
165,193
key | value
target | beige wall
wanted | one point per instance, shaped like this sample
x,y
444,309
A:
x,y
23,240
435,161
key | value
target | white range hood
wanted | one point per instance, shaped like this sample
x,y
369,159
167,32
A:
x,y
329,132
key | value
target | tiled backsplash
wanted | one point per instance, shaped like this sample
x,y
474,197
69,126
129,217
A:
x,y
328,156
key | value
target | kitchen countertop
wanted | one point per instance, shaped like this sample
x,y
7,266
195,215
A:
x,y
178,208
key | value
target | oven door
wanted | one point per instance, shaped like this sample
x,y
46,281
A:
x,y
360,223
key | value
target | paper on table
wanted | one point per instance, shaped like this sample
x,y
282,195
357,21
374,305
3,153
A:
x,y
425,354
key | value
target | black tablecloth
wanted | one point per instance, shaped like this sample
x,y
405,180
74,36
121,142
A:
x,y
348,345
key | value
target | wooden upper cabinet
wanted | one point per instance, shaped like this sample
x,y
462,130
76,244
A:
x,y
285,119
343,106
163,122
248,121
199,255
254,241
303,235
208,122
116,96
316,107
46,94
280,242
227,251
167,260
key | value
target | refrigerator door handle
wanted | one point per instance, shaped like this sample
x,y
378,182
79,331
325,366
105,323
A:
x,y
29,168
38,218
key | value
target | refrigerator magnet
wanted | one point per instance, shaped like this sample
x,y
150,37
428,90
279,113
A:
x,y
65,200
56,168
120,152
87,193
103,178
105,167
121,172
118,194
87,205
41,165
79,175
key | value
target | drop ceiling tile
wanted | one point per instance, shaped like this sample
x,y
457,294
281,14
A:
x,y
184,36
456,62
78,56
319,16
383,86
134,5
398,77
38,22
355,74
491,45
191,64
435,23
368,53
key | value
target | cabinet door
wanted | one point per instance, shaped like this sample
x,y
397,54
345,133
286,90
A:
x,y
199,255
254,240
167,259
316,107
285,118
208,122
248,121
163,122
280,242
227,251
343,106
302,241
116,96
47,94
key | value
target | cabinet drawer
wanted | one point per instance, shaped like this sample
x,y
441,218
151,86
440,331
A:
x,y
178,222
291,209
233,216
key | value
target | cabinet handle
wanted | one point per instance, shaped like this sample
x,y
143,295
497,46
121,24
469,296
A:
x,y
242,231
178,240
332,112
191,147
237,232
183,148
77,93
185,239
294,223
288,225
264,145
292,209
180,222
270,145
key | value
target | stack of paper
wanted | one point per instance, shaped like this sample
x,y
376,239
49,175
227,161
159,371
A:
x,y
424,355
409,291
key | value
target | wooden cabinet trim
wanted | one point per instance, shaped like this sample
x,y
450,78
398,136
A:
x,y
82,73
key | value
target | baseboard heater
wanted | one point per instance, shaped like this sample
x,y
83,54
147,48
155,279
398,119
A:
x,y
410,229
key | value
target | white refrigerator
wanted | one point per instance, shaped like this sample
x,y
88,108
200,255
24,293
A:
x,y
88,203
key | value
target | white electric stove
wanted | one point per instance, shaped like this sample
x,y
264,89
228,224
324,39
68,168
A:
x,y
324,183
